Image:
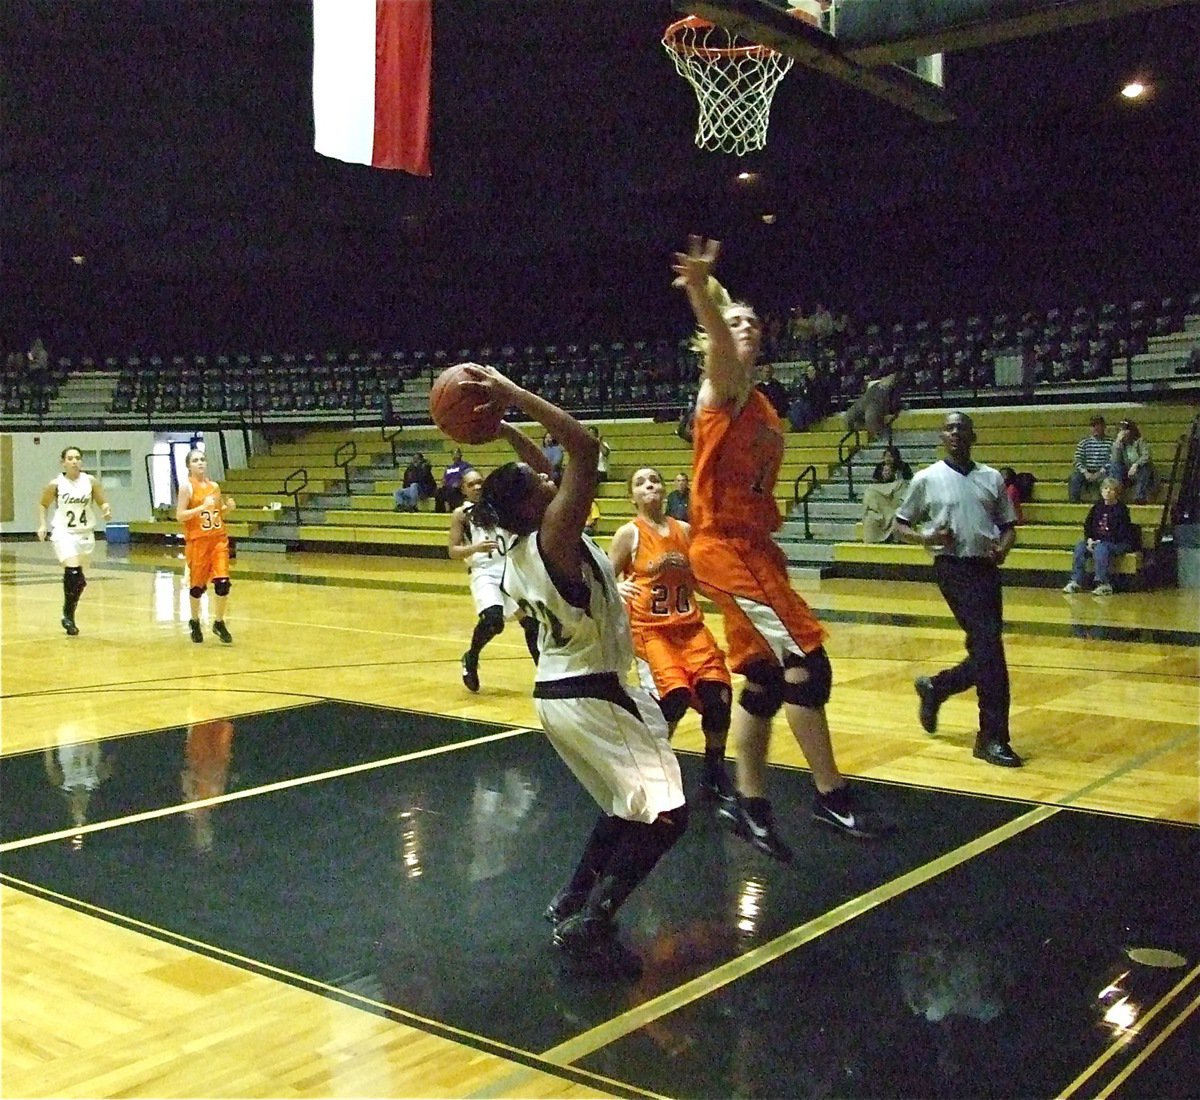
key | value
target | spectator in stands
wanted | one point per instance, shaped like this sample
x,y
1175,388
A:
x,y
822,323
37,368
1108,532
553,453
1093,456
419,484
687,421
871,411
602,458
1014,491
592,525
679,498
449,494
810,400
1131,463
889,483
774,390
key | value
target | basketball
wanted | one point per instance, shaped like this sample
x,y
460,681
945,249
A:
x,y
453,408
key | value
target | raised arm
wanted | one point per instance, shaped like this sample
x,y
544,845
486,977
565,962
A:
x,y
526,449
562,524
725,379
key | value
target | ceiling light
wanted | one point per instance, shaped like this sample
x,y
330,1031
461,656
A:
x,y
1134,89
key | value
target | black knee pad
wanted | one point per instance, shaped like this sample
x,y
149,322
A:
x,y
813,691
197,590
766,696
674,705
716,704
493,618
221,586
74,581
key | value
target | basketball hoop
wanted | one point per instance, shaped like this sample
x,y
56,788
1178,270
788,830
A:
x,y
734,80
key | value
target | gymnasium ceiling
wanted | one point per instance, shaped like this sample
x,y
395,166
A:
x,y
168,143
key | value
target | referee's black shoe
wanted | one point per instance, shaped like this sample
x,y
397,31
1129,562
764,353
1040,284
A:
x,y
928,710
68,624
999,753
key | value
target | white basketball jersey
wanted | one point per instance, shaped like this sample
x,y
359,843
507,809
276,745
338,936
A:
x,y
491,561
74,512
573,641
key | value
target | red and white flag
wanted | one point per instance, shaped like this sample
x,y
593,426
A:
x,y
371,81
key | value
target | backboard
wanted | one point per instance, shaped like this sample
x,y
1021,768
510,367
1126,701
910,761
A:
x,y
893,49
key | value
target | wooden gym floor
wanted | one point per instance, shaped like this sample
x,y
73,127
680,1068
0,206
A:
x,y
311,864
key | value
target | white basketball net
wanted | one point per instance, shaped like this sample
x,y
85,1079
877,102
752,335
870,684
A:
x,y
734,80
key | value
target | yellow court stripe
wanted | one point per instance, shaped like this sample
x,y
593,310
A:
x,y
1151,1047
620,1026
254,792
1128,1037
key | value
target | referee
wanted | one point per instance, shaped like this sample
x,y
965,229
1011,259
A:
x,y
967,520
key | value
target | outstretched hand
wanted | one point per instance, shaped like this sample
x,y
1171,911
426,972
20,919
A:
x,y
493,389
693,267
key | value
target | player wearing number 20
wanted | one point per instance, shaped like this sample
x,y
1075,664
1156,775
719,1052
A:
x,y
201,509
75,497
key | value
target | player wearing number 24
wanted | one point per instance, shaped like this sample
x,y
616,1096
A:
x,y
75,497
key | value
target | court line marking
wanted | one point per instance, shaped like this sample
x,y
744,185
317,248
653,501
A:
x,y
1158,1040
257,966
1122,1041
269,788
619,1026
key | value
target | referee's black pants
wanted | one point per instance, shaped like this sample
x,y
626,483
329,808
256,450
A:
x,y
971,587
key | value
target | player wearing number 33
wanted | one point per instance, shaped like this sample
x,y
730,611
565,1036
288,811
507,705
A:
x,y
201,509
75,497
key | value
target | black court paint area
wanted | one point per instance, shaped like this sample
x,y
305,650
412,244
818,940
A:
x,y
102,780
1007,976
420,885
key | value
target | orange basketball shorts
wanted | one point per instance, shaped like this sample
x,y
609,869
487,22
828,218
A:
x,y
206,559
678,658
765,618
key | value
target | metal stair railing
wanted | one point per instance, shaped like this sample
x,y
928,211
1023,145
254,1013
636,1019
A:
x,y
846,453
809,474
350,450
294,492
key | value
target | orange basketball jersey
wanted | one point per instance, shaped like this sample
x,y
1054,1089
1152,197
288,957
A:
x,y
209,523
664,577
735,464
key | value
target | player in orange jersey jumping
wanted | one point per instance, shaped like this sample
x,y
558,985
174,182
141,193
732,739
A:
x,y
678,659
201,508
774,639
